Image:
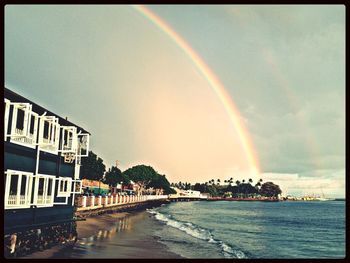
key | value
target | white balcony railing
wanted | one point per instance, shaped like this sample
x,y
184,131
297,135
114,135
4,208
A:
x,y
24,139
13,201
41,200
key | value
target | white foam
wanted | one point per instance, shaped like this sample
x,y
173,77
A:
x,y
200,233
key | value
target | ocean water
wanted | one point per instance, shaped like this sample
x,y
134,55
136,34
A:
x,y
226,229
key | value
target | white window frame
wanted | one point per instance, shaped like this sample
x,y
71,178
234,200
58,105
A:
x,y
6,117
71,145
50,144
63,181
24,137
46,199
18,201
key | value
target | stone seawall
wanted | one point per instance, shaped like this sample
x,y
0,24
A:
x,y
25,242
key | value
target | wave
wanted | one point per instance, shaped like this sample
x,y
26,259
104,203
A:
x,y
198,232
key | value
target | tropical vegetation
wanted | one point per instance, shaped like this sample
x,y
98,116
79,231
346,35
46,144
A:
x,y
93,168
232,188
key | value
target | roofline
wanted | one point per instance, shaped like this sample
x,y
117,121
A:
x,y
39,109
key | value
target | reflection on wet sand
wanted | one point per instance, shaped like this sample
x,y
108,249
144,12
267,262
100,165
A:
x,y
122,224
129,235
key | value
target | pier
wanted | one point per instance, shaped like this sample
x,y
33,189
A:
x,y
186,198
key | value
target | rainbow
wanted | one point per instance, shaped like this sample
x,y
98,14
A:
x,y
214,83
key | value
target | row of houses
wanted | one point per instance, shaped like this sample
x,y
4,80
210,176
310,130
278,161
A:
x,y
42,159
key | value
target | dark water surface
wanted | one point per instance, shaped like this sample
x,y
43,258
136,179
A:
x,y
226,229
223,229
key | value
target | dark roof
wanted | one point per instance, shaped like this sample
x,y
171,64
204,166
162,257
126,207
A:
x,y
14,97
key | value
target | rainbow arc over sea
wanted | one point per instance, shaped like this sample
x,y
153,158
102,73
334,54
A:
x,y
214,83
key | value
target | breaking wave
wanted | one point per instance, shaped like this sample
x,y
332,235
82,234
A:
x,y
198,232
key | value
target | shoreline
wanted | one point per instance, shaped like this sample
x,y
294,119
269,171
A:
x,y
121,234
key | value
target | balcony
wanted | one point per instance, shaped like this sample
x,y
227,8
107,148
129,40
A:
x,y
12,200
42,200
20,137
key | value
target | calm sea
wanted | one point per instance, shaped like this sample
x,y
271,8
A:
x,y
225,229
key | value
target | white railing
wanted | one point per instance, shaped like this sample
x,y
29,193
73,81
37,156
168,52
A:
x,y
117,200
18,131
41,200
26,139
49,145
13,201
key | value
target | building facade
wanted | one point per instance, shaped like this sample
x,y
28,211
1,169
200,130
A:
x,y
42,158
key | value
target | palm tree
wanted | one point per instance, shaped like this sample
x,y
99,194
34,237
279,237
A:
x,y
218,181
243,181
250,180
238,182
225,181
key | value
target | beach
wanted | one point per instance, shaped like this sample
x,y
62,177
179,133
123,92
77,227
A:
x,y
118,235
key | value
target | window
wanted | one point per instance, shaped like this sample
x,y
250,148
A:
x,y
18,187
44,190
69,142
24,124
77,187
83,144
6,117
49,134
64,186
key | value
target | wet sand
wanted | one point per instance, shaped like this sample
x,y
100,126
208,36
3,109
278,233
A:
x,y
117,235
92,225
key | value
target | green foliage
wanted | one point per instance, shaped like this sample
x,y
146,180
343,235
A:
x,y
147,177
270,189
212,190
114,176
141,174
241,189
92,167
160,182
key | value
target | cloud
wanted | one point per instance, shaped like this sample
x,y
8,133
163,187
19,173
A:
x,y
120,77
330,183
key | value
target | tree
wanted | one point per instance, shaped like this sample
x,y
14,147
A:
x,y
250,180
114,176
160,182
270,189
146,176
238,182
231,181
92,167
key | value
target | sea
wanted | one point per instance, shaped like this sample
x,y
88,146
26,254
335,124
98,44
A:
x,y
273,230
223,229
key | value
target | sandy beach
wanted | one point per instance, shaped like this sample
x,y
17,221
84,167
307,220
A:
x,y
117,235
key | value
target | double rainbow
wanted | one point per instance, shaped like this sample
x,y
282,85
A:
x,y
214,83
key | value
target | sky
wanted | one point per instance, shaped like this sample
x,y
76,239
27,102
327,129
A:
x,y
113,71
